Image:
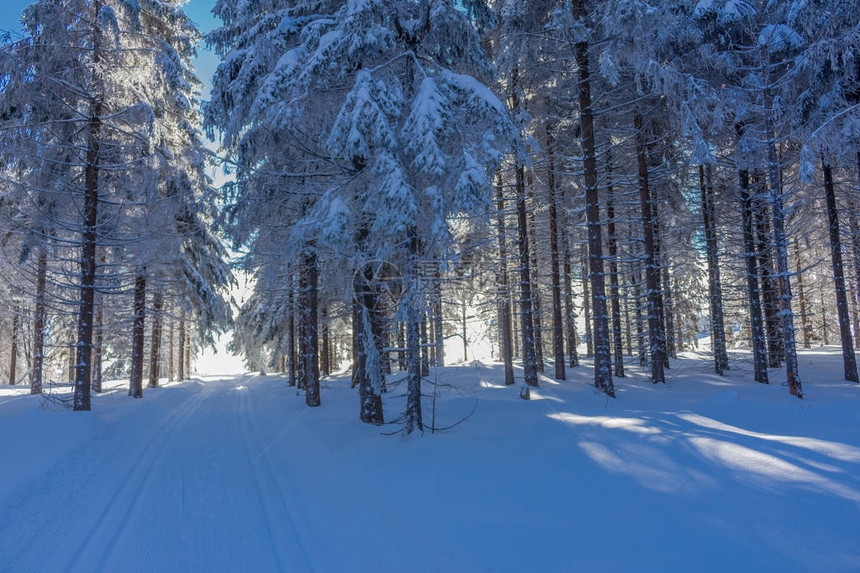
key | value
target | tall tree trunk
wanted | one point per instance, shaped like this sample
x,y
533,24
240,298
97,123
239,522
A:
x,y
652,270
526,316
669,313
756,324
504,292
805,325
84,348
438,323
135,388
569,312
530,378
848,358
642,346
367,371
155,343
308,334
291,331
187,354
325,359
602,361
171,374
413,419
13,350
99,343
788,340
555,270
537,305
854,227
612,240
586,303
180,354
770,298
715,288
39,324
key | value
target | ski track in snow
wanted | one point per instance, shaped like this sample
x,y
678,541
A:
x,y
134,497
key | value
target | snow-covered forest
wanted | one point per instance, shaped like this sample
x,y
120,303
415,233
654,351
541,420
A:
x,y
433,217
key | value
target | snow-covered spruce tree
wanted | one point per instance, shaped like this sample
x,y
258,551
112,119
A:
x,y
384,94
70,72
116,76
824,36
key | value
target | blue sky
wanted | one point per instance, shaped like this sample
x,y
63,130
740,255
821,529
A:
x,y
198,10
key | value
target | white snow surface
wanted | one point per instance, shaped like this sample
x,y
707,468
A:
x,y
236,474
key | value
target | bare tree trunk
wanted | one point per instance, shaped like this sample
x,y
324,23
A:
x,y
325,360
526,314
13,350
291,330
537,302
171,375
770,299
367,370
504,292
99,343
308,335
669,312
187,354
715,288
557,324
413,419
602,361
586,304
155,343
756,324
569,313
788,339
180,362
438,322
652,271
854,228
612,240
135,388
848,358
84,347
39,324
806,327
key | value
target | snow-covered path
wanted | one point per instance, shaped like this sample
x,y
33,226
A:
x,y
180,483
236,474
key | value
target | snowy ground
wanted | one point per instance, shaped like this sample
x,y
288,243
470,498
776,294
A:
x,y
234,474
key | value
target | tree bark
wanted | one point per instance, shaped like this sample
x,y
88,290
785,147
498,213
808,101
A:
x,y
788,340
770,298
13,350
84,347
308,334
805,325
99,343
413,419
135,389
180,355
715,288
39,324
612,240
155,343
586,302
555,270
325,359
602,361
848,358
756,324
652,270
504,292
171,374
